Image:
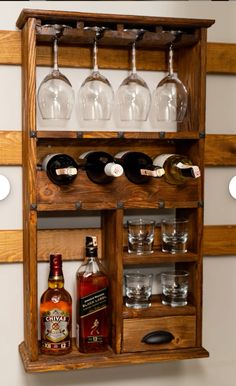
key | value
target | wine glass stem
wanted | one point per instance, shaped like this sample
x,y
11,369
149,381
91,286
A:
x,y
55,57
134,70
171,72
95,56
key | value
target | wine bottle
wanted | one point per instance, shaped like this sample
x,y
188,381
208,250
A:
x,y
61,168
138,166
92,325
178,168
100,166
56,312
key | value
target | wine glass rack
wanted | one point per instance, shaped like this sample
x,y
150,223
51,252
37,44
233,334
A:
x,y
112,201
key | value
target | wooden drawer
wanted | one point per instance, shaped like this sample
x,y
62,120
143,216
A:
x,y
182,328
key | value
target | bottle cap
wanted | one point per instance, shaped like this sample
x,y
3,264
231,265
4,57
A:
x,y
55,264
113,169
91,246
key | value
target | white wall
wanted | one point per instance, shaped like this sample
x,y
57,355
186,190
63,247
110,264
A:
x,y
219,316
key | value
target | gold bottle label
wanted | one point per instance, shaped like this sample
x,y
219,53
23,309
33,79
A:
x,y
55,325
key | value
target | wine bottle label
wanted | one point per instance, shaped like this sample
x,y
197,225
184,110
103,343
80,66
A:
x,y
161,159
55,325
69,171
194,169
158,172
113,169
93,302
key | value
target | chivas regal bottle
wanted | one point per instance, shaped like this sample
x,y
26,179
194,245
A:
x,y
56,312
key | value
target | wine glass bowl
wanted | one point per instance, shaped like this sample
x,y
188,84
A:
x,y
96,94
134,97
55,94
171,95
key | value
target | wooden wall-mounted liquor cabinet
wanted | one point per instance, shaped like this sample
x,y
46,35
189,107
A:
x,y
111,202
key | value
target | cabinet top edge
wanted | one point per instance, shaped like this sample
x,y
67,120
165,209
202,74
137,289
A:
x,y
65,16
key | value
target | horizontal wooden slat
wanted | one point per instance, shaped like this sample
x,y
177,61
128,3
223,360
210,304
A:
x,y
11,246
10,47
219,240
220,149
221,57
10,148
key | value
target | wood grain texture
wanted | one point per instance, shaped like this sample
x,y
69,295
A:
x,y
218,240
10,148
29,188
183,329
221,57
220,150
75,360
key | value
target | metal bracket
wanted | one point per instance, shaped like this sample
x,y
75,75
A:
x,y
162,134
200,204
80,134
120,205
78,205
120,134
161,204
33,134
202,135
33,206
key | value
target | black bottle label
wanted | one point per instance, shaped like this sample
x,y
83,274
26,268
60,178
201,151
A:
x,y
93,302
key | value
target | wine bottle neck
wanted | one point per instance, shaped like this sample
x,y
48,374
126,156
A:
x,y
152,171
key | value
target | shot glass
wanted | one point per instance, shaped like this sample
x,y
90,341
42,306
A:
x,y
138,290
174,288
140,236
174,235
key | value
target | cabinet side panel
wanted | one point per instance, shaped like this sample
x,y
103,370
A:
x,y
29,189
112,243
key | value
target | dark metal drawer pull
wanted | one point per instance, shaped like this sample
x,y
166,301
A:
x,y
158,337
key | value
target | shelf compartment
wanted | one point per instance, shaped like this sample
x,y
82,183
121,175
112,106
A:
x,y
157,309
76,360
84,194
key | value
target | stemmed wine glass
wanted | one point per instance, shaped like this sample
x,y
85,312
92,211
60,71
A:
x,y
171,95
55,94
96,94
134,97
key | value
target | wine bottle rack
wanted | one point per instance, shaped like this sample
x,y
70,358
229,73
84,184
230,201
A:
x,y
41,197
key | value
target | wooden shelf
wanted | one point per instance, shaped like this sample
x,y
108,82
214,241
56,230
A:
x,y
157,309
158,257
143,135
76,360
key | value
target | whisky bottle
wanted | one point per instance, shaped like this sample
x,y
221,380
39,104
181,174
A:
x,y
138,166
100,166
178,168
56,312
61,168
92,302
